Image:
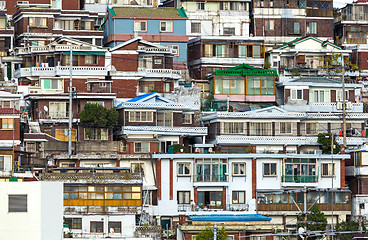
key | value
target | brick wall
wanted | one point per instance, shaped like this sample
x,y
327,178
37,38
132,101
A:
x,y
158,178
71,5
254,177
287,95
125,88
7,134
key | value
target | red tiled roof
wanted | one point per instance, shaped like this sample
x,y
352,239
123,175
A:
x,y
7,111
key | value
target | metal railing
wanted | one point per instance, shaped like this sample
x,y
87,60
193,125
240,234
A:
x,y
300,179
211,178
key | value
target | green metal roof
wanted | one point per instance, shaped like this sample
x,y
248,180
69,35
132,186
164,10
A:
x,y
161,12
182,12
246,70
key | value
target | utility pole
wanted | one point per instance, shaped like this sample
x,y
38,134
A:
x,y
70,99
343,101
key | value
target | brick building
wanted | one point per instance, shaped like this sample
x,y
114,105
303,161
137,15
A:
x,y
282,21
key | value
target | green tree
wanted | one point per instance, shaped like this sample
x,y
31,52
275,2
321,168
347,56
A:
x,y
347,226
207,233
334,63
316,220
325,140
95,115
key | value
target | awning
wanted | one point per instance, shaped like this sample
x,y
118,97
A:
x,y
84,53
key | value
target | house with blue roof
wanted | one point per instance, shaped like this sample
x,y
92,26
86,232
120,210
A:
x,y
163,26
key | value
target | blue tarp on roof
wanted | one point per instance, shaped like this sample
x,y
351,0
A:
x,y
230,217
140,97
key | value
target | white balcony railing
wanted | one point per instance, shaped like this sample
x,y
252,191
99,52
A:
x,y
190,131
282,140
324,107
59,70
160,72
49,48
154,49
181,106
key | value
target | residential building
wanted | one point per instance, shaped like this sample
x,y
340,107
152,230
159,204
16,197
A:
x,y
150,123
138,67
163,26
215,18
282,21
276,130
31,210
206,54
319,94
246,85
13,5
307,56
356,177
236,182
104,202
42,25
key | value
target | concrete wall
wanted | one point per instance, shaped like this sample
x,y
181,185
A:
x,y
44,217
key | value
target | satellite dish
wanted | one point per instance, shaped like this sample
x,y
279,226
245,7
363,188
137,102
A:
x,y
45,108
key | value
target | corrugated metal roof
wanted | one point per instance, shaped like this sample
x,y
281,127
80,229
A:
x,y
229,217
317,80
162,12
140,97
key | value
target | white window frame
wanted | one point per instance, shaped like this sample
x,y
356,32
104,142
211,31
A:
x,y
135,26
133,116
168,26
294,94
184,164
312,28
244,167
175,49
230,127
141,148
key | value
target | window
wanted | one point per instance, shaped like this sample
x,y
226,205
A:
x,y
260,85
210,199
339,96
229,31
91,59
83,192
285,128
321,96
269,169
187,118
260,129
51,84
158,61
137,167
238,197
311,128
211,170
140,26
2,22
232,128
183,197
183,169
238,169
294,28
195,27
296,94
229,86
299,170
31,147
96,227
67,25
86,25
75,60
142,147
174,49
38,22
137,116
269,24
74,223
7,123
146,87
115,227
6,163
2,4
164,119
312,28
200,5
166,26
328,169
257,238
145,62
100,134
17,203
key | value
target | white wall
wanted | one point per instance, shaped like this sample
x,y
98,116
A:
x,y
44,217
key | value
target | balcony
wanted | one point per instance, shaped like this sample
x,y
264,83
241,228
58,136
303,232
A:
x,y
300,179
324,107
59,71
169,73
187,208
49,48
77,177
281,140
211,178
154,49
187,131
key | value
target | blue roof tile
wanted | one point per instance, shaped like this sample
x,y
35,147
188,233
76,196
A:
x,y
230,217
